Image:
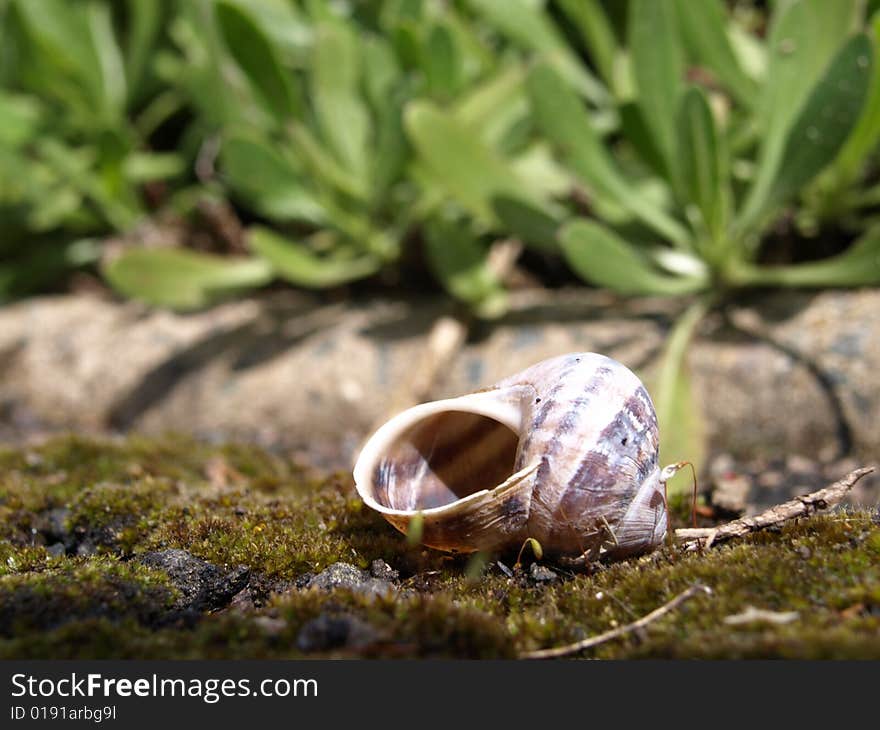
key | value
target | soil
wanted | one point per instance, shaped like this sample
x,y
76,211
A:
x,y
172,548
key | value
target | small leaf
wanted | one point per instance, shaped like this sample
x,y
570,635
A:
x,y
460,262
302,266
866,134
680,415
339,108
859,265
820,129
441,62
529,25
258,59
20,117
180,279
466,168
566,123
267,180
144,24
490,107
803,38
658,68
141,167
698,150
591,21
601,257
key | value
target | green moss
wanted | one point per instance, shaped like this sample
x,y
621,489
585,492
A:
x,y
75,515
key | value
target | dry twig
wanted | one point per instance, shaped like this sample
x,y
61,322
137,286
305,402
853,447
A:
x,y
620,631
798,507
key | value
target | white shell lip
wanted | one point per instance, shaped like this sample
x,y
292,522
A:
x,y
499,404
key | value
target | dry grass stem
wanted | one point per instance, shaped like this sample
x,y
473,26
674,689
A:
x,y
637,625
802,506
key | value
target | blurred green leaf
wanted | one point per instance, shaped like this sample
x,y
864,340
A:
x,y
658,69
141,167
804,36
441,63
381,71
460,263
182,279
565,121
490,107
636,132
323,165
339,108
258,59
699,160
680,415
466,168
144,24
590,20
529,25
267,180
66,63
20,116
302,266
859,265
109,56
76,168
821,128
865,137
601,257
704,31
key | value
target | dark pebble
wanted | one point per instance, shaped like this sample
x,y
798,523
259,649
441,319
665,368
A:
x,y
345,575
335,631
202,585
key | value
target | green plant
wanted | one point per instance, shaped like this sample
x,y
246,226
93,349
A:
x,y
305,106
78,104
314,112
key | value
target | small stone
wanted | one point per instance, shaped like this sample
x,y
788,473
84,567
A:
x,y
541,573
56,550
86,548
800,464
202,585
242,601
770,479
345,575
731,493
335,631
805,552
55,527
271,626
721,465
380,569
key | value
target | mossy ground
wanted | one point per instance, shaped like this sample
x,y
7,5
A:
x,y
75,514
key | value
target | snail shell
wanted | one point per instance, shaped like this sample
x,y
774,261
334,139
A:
x,y
565,452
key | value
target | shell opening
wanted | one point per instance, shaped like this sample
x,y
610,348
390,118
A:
x,y
443,458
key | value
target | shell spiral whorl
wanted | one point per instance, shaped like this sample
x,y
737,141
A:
x,y
565,452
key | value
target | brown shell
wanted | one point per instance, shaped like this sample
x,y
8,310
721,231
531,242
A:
x,y
565,452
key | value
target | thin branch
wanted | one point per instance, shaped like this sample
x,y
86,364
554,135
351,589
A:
x,y
620,631
798,507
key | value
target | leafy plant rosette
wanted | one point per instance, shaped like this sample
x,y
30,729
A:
x,y
307,110
78,104
693,176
